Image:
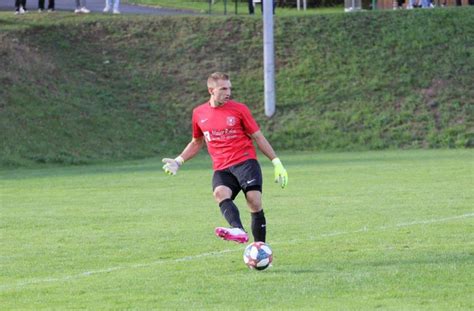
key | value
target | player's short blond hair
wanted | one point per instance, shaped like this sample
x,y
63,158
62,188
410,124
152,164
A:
x,y
216,76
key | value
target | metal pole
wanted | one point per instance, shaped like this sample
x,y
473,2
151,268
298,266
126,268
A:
x,y
268,58
298,5
225,7
210,7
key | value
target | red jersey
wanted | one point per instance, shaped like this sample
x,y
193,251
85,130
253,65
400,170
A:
x,y
226,130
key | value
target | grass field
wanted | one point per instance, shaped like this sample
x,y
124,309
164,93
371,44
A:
x,y
353,231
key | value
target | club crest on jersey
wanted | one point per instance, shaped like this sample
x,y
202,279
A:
x,y
231,121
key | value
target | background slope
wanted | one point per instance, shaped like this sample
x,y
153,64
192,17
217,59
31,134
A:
x,y
79,89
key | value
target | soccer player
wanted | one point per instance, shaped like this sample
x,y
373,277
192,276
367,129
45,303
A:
x,y
229,130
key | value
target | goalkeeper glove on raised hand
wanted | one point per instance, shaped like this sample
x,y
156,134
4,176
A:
x,y
281,176
171,166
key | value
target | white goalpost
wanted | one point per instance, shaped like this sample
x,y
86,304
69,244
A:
x,y
268,58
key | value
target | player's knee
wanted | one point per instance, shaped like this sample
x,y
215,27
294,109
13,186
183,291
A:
x,y
222,193
255,207
254,202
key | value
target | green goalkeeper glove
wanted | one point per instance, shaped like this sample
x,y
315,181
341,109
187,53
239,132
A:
x,y
171,166
281,176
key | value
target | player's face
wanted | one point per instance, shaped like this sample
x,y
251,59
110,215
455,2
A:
x,y
221,92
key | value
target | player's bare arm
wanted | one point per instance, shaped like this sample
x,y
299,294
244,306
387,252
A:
x,y
263,145
281,176
172,166
192,149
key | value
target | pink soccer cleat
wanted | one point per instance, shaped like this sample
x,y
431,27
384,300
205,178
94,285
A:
x,y
232,234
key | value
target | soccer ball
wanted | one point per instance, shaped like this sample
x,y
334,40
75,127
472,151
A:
x,y
258,255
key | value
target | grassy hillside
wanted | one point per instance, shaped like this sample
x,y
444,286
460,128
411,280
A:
x,y
78,89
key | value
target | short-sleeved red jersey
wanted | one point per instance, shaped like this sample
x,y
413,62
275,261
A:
x,y
226,130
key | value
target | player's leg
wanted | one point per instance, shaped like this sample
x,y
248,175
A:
x,y
249,175
223,196
225,189
259,223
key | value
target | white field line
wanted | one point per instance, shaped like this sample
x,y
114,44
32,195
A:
x,y
19,285
23,284
400,225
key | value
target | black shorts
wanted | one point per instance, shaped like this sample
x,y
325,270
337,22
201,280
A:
x,y
245,176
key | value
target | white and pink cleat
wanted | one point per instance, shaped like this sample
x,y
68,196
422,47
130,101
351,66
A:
x,y
232,234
